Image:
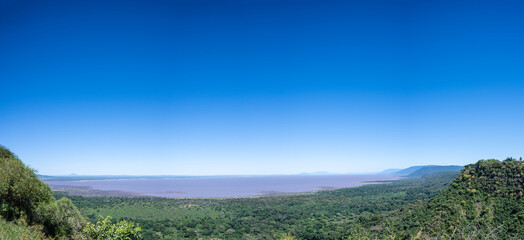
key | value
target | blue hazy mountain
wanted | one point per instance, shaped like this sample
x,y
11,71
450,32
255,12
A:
x,y
435,169
410,170
390,171
418,171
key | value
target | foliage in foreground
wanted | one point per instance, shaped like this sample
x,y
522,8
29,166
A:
x,y
24,198
104,230
12,230
28,210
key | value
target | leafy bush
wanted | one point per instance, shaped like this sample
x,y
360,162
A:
x,y
61,218
105,230
20,189
17,231
24,198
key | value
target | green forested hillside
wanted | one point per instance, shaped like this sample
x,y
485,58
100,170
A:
x,y
28,210
485,199
27,201
484,202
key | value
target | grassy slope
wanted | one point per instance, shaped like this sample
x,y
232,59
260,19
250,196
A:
x,y
12,231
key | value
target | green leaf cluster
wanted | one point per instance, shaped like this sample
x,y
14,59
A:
x,y
105,230
28,202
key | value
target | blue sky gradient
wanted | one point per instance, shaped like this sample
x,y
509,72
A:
x,y
259,87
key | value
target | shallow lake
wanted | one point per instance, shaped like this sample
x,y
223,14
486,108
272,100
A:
x,y
227,186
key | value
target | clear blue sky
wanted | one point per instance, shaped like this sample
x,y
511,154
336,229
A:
x,y
196,87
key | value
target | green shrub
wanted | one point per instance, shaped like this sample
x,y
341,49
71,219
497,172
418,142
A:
x,y
20,189
14,231
26,199
105,230
61,218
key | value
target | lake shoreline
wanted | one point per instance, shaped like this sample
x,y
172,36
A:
x,y
216,188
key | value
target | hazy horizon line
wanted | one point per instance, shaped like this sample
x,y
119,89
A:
x,y
383,172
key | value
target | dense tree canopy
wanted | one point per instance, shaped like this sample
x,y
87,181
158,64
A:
x,y
26,200
321,215
104,230
21,192
485,201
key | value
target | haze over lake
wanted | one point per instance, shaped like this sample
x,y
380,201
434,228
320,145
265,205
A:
x,y
227,186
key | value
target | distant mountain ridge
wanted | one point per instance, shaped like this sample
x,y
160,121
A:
x,y
435,169
419,171
390,171
413,171
485,201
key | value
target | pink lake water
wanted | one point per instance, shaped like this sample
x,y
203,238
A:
x,y
227,186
